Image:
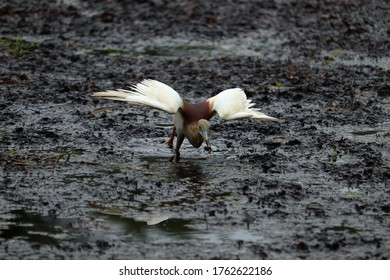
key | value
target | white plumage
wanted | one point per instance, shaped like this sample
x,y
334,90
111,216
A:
x,y
232,104
190,120
149,93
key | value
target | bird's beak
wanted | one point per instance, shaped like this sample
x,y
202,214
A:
x,y
205,137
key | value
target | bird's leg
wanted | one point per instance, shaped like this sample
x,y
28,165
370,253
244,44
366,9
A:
x,y
179,141
177,157
169,142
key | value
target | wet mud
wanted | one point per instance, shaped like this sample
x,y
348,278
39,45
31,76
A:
x,y
74,185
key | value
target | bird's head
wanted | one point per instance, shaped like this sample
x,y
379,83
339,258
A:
x,y
203,127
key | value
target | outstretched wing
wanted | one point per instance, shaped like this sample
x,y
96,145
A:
x,y
232,104
149,93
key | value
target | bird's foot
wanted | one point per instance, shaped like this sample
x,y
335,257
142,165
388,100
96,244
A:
x,y
169,142
208,149
175,157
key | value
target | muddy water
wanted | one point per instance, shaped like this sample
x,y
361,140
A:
x,y
75,185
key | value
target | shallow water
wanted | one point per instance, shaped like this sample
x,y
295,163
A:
x,y
74,185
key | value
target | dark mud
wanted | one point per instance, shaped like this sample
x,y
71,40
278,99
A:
x,y
78,186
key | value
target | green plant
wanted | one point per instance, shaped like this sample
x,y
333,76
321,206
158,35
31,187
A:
x,y
258,63
17,46
108,51
331,57
334,156
279,85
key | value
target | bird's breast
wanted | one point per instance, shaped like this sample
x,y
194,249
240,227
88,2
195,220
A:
x,y
195,140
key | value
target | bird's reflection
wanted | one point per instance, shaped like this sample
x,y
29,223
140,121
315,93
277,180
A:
x,y
192,171
178,168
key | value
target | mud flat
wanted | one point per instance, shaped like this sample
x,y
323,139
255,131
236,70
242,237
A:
x,y
79,186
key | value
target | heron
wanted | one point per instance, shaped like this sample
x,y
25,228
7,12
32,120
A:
x,y
190,120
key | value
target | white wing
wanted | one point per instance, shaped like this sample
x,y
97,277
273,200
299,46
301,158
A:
x,y
232,104
149,93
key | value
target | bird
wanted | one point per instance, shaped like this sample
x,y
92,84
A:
x,y
190,120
